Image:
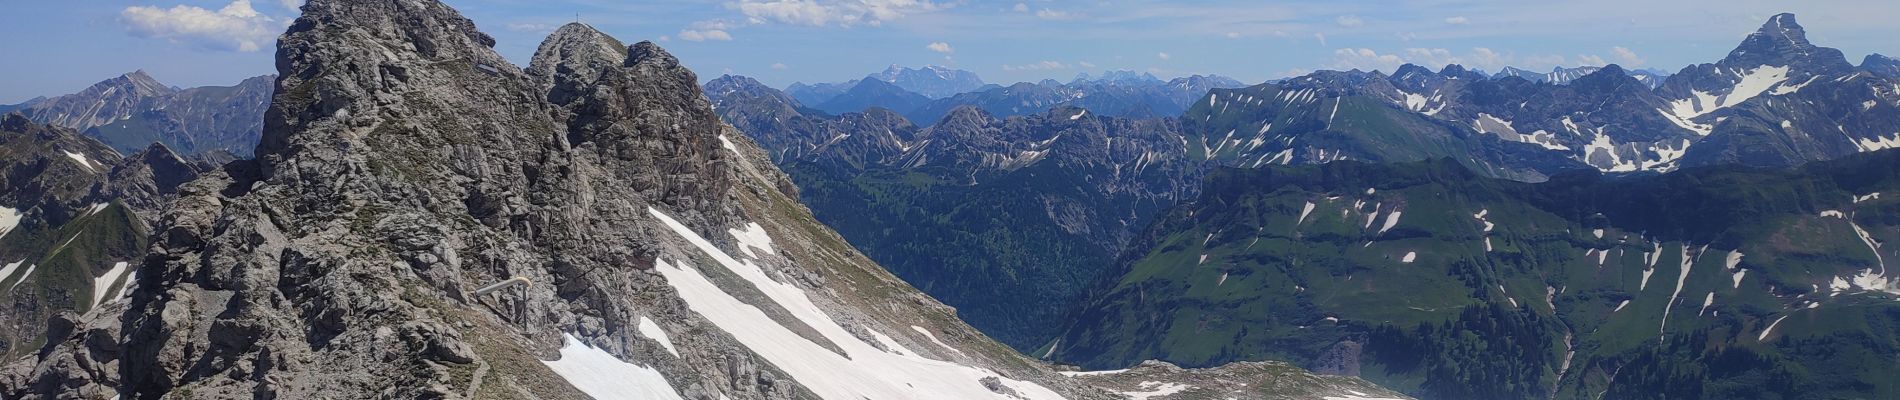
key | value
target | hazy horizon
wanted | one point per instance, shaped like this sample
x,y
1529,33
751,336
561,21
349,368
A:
x,y
220,42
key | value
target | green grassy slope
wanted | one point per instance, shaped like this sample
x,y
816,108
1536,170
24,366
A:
x,y
1240,275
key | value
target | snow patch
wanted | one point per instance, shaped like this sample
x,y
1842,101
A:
x,y
1771,329
933,339
1410,257
1093,373
1503,129
1152,389
23,276
727,143
1304,212
1391,220
604,376
1752,83
1877,143
866,372
102,284
753,237
9,219
652,330
1681,278
7,271
81,158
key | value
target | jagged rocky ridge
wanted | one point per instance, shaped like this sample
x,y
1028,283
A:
x,y
1776,100
404,163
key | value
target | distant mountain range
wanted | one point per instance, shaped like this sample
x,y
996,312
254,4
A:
x,y
1777,101
928,94
1563,76
133,111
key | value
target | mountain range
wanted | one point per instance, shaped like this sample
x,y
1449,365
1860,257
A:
x,y
1775,103
424,219
132,111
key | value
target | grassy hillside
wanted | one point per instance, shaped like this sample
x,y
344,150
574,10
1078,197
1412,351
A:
x,y
1427,278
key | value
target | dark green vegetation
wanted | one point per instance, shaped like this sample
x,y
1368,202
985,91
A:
x,y
1011,246
981,247
1722,282
56,268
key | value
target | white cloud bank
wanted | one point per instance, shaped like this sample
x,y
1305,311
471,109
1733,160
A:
x,y
830,12
236,27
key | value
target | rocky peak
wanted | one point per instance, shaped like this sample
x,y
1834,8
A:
x,y
140,83
579,49
14,122
1881,65
1608,79
1783,42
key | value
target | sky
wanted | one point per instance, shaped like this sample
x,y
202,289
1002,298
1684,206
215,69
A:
x,y
61,46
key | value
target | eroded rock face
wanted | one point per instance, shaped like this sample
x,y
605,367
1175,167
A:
x,y
403,163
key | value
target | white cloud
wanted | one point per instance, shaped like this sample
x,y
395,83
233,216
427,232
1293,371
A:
x,y
530,27
830,12
1233,35
1365,60
1487,59
1163,55
1626,57
692,35
1053,14
1433,58
1350,21
1086,64
1321,37
236,27
1039,66
1458,20
1590,60
707,30
779,66
1020,7
940,47
292,5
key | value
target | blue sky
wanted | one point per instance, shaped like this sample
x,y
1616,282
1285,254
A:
x,y
61,46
